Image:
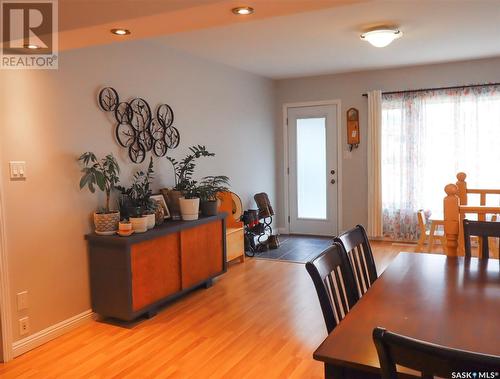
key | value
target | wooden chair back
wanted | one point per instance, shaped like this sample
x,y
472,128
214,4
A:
x,y
422,221
334,282
231,204
483,230
356,246
427,358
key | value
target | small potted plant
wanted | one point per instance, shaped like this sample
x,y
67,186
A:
x,y
136,200
103,174
183,174
208,190
190,202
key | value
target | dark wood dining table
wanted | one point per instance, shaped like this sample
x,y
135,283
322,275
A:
x,y
451,301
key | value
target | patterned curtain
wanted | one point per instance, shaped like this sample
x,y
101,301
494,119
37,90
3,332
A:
x,y
429,136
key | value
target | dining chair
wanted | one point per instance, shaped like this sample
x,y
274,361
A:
x,y
427,358
333,279
430,234
356,246
482,230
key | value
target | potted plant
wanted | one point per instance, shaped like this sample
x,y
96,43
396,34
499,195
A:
x,y
136,200
103,174
183,174
208,190
190,202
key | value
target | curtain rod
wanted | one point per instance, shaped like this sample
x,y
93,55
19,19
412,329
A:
x,y
437,89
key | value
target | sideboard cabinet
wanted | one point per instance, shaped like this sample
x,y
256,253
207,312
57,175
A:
x,y
133,276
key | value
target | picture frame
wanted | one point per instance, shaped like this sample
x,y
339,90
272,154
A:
x,y
159,197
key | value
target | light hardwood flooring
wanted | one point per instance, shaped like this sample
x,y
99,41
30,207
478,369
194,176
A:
x,y
260,320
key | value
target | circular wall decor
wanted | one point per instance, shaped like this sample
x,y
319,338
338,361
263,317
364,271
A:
x,y
136,129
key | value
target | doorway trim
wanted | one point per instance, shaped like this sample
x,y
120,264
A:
x,y
5,305
286,182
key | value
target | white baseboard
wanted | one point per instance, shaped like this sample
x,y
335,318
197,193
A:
x,y
282,230
45,335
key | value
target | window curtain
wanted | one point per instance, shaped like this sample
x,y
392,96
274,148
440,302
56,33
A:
x,y
374,164
427,138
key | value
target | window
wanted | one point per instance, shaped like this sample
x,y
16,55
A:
x,y
427,138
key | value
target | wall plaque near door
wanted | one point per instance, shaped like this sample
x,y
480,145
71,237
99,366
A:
x,y
137,128
352,128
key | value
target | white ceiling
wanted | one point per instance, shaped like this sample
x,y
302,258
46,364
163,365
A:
x,y
327,41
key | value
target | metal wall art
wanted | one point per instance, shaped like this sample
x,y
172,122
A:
x,y
137,128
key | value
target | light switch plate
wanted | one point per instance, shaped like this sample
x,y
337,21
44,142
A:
x,y
22,300
17,170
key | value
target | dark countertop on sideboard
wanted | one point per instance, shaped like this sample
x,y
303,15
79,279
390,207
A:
x,y
166,228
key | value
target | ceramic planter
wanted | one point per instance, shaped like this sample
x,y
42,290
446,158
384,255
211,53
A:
x,y
139,224
151,220
209,207
106,223
125,226
189,208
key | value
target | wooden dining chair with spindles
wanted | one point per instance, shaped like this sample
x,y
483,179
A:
x,y
431,234
333,279
357,248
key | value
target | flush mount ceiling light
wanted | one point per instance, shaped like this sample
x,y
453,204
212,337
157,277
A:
x,y
120,32
31,47
243,11
381,37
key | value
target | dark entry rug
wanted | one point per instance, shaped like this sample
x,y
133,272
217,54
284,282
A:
x,y
297,249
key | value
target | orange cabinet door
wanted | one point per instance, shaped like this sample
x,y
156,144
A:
x,y
156,270
201,253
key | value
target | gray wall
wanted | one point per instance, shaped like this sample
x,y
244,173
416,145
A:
x,y
349,89
48,118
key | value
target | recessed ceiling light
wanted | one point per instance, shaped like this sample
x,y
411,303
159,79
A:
x,y
381,37
31,47
120,32
243,11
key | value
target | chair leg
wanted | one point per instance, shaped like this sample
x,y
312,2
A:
x,y
431,237
421,241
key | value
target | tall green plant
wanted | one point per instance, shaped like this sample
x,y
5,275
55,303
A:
x,y
140,191
210,186
184,170
102,173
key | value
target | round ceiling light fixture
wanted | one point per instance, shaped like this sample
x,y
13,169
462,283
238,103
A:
x,y
31,47
381,37
120,32
243,11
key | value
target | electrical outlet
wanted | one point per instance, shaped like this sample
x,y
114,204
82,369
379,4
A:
x,y
24,325
22,300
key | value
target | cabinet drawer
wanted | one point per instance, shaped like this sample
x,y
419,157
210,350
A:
x,y
235,245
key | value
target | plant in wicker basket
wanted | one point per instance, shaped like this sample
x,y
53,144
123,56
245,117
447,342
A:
x,y
103,174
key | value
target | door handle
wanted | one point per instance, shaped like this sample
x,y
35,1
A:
x,y
332,181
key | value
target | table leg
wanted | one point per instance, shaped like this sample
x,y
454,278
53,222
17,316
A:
x,y
337,372
334,372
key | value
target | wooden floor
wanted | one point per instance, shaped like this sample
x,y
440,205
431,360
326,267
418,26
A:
x,y
260,320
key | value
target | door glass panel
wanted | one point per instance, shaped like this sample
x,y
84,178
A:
x,y
311,168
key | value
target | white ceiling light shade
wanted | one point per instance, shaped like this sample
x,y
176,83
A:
x,y
381,37
243,11
120,32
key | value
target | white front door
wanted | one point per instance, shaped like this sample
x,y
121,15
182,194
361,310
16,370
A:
x,y
312,169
